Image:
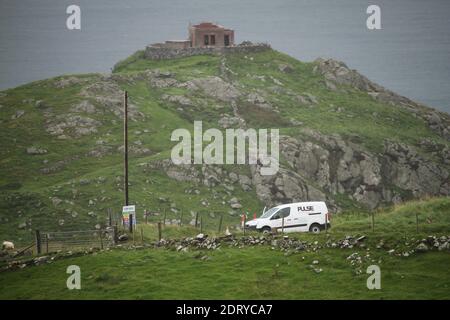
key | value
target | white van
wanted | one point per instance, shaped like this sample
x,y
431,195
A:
x,y
298,217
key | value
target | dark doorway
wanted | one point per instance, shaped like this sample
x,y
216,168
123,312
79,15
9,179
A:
x,y
206,40
226,40
213,40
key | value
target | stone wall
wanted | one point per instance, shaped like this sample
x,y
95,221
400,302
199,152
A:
x,y
162,53
173,44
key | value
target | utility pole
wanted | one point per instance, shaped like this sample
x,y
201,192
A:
x,y
125,145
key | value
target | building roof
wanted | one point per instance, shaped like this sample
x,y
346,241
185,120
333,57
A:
x,y
209,25
175,40
204,25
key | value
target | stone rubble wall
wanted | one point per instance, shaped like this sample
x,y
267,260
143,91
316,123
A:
x,y
163,53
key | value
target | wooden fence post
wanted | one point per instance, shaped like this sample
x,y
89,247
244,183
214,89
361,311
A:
x,y
201,224
220,222
243,227
417,222
373,221
159,231
130,223
38,242
181,217
196,219
46,242
142,235
146,216
164,221
115,239
282,224
109,217
101,239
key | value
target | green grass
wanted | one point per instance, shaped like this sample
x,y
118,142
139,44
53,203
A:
x,y
250,273
433,216
257,272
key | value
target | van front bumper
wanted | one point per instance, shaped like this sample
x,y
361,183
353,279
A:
x,y
323,227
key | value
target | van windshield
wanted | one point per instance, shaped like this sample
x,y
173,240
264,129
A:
x,y
269,212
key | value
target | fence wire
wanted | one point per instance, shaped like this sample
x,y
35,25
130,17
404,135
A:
x,y
71,240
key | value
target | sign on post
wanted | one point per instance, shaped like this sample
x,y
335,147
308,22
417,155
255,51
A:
x,y
126,211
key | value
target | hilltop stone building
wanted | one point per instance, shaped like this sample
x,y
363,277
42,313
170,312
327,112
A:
x,y
209,34
204,38
202,35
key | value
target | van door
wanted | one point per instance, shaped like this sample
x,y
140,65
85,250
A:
x,y
276,221
302,217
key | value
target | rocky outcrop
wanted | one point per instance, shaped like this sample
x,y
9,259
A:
x,y
84,106
323,167
227,121
286,186
214,87
258,100
439,122
109,95
76,126
406,169
337,166
337,72
69,81
179,100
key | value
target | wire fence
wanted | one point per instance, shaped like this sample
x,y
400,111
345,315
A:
x,y
202,221
72,240
205,220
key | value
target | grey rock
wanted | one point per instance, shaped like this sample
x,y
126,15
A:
x,y
56,201
180,100
231,122
201,236
18,114
286,68
84,106
69,81
236,206
215,87
36,151
422,247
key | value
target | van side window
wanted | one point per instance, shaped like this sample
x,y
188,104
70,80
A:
x,y
281,213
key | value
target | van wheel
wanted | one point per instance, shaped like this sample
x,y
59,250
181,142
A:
x,y
265,230
315,228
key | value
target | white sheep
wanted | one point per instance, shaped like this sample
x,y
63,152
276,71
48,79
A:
x,y
7,245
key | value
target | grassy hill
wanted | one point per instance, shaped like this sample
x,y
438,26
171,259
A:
x,y
61,161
